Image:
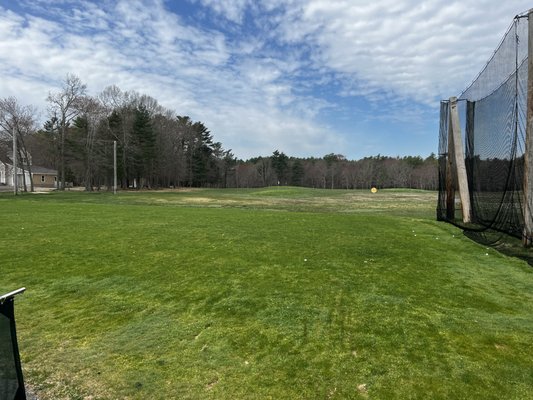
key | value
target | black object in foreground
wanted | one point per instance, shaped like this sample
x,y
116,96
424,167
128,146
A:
x,y
11,381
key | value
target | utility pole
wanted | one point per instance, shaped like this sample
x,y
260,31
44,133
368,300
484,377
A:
x,y
15,175
114,167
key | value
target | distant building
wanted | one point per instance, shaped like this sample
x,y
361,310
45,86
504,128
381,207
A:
x,y
44,177
40,176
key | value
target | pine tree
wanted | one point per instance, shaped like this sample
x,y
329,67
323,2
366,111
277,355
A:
x,y
144,151
280,164
297,173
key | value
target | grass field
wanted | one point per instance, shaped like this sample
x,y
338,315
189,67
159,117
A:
x,y
276,293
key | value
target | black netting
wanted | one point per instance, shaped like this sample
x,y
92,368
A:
x,y
11,382
443,160
493,117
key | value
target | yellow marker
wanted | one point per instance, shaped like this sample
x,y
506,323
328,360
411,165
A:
x,y
374,190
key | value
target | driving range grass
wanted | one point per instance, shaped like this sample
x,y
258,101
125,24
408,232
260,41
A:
x,y
281,293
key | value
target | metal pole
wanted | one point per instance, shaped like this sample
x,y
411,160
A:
x,y
6,296
114,167
15,175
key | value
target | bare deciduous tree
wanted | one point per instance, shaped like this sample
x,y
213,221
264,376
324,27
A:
x,y
119,106
65,106
93,113
19,120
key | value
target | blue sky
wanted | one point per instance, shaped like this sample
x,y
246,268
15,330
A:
x,y
306,77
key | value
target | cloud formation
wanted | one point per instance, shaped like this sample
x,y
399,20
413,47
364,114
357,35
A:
x,y
306,77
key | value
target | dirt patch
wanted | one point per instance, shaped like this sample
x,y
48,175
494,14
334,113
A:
x,y
211,384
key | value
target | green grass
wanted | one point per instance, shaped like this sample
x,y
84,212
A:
x,y
281,293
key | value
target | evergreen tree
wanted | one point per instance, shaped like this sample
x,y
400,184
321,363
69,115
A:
x,y
203,153
144,154
280,164
297,173
199,152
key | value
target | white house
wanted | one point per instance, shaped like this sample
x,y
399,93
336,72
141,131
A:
x,y
6,175
42,177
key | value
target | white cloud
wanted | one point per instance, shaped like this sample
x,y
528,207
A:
x,y
421,50
232,10
261,90
255,132
139,45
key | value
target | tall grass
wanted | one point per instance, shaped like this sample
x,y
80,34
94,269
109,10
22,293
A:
x,y
281,293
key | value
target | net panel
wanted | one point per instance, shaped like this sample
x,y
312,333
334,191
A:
x,y
493,114
11,382
443,160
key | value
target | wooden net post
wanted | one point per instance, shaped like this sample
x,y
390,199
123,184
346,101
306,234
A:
x,y
527,234
457,155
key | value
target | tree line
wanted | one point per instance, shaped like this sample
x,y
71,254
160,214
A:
x,y
153,147
334,171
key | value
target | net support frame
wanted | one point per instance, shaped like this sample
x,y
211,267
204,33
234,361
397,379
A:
x,y
527,235
12,294
457,164
498,150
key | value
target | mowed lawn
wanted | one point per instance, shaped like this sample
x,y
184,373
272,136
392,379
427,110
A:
x,y
276,293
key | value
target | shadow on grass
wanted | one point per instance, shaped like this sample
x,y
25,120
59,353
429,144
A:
x,y
503,243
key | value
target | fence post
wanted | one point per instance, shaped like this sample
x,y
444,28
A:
x,y
459,159
527,233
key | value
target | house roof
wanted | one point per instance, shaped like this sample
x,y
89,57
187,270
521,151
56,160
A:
x,y
35,169
42,170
